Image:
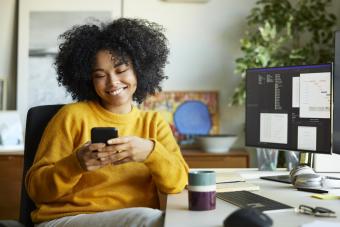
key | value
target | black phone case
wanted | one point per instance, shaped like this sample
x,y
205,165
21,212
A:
x,y
103,134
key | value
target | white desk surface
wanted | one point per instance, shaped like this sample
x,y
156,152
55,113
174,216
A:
x,y
177,213
12,150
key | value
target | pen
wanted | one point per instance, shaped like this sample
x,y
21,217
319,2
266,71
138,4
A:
x,y
312,190
226,182
332,178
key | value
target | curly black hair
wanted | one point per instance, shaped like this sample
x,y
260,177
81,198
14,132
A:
x,y
138,40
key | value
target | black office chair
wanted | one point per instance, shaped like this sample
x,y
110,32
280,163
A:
x,y
36,122
37,119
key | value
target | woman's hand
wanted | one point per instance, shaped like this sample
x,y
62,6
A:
x,y
129,149
93,156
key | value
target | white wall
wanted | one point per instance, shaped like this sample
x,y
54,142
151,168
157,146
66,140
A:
x,y
204,43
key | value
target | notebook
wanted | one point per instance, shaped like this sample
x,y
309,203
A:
x,y
232,181
223,177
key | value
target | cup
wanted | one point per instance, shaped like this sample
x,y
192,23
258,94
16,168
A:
x,y
202,190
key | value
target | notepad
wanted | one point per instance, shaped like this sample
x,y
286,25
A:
x,y
232,181
326,197
236,186
224,177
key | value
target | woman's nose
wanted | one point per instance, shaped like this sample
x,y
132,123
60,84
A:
x,y
113,78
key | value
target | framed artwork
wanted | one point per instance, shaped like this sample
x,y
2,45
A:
x,y
3,94
11,133
41,22
189,113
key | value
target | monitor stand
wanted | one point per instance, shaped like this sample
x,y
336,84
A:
x,y
304,159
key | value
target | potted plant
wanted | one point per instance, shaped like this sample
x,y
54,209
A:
x,y
283,33
280,33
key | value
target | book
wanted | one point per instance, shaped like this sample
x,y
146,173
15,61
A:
x,y
232,181
236,186
228,177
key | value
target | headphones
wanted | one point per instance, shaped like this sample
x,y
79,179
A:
x,y
304,176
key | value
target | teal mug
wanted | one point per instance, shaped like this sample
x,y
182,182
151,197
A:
x,y
202,190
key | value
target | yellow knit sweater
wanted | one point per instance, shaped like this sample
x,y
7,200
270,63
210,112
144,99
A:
x,y
60,187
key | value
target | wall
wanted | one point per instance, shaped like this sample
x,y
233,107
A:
x,y
204,42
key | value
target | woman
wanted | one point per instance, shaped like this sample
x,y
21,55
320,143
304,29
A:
x,y
74,182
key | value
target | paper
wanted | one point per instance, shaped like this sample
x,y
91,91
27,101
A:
x,y
296,92
315,95
232,181
325,196
227,177
307,138
236,186
274,128
321,224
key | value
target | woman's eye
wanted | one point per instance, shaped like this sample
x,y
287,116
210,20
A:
x,y
122,70
99,75
119,72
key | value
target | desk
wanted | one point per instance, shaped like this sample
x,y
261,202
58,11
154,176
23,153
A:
x,y
235,158
177,213
11,167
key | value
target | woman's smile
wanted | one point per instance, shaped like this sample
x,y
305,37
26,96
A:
x,y
116,91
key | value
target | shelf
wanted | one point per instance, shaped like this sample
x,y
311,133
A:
x,y
235,158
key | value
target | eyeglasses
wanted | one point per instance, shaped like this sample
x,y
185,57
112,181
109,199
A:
x,y
317,211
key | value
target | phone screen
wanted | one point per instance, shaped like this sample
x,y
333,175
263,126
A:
x,y
103,134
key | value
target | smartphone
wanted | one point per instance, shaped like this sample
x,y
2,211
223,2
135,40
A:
x,y
103,134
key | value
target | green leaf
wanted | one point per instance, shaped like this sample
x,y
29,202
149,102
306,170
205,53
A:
x,y
279,33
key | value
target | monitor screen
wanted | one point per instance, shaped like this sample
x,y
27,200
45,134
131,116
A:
x,y
289,108
336,89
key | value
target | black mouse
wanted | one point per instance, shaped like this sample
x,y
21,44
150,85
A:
x,y
246,217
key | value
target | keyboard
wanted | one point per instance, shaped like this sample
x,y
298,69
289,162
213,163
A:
x,y
246,199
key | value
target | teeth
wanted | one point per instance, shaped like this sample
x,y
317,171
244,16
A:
x,y
116,92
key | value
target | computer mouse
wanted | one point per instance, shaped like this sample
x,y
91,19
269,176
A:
x,y
245,217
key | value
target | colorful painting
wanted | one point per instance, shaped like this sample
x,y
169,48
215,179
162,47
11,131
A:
x,y
169,101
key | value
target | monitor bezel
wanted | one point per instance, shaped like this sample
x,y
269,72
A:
x,y
331,107
336,92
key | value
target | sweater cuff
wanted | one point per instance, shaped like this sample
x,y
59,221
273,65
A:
x,y
69,166
157,154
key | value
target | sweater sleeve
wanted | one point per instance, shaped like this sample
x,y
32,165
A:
x,y
56,168
166,163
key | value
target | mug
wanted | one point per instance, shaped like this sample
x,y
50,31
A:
x,y
202,190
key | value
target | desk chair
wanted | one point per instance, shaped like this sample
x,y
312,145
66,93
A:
x,y
36,122
37,119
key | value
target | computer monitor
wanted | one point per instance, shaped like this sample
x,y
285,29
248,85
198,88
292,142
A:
x,y
336,89
289,108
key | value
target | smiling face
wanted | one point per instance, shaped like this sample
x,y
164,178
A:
x,y
114,81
